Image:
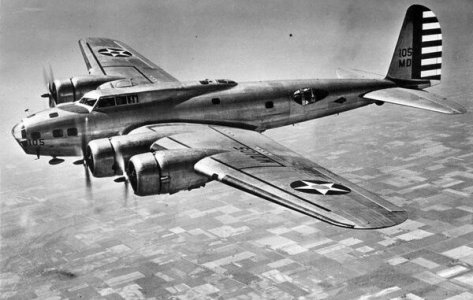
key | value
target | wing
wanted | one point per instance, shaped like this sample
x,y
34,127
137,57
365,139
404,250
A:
x,y
258,165
417,99
111,57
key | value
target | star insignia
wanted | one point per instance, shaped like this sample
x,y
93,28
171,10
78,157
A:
x,y
115,52
319,187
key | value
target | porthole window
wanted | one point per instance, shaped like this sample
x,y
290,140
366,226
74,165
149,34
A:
x,y
72,131
215,100
35,135
269,104
57,133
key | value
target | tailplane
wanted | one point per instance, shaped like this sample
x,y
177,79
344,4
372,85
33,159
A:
x,y
417,59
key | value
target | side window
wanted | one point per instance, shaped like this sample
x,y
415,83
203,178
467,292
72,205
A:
x,y
132,99
106,102
121,100
308,96
72,131
297,96
35,135
57,133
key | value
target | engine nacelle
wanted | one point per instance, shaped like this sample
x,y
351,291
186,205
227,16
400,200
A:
x,y
167,171
72,89
109,156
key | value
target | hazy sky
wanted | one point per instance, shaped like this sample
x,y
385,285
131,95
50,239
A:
x,y
240,40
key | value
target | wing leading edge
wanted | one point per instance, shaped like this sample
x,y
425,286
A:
x,y
105,56
254,163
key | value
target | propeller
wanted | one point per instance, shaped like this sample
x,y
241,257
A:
x,y
48,79
83,144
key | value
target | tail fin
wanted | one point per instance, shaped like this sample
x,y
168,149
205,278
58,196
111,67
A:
x,y
418,53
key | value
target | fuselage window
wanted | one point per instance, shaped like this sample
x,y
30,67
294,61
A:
x,y
307,95
215,100
106,102
72,131
121,100
53,115
35,135
297,96
132,99
57,133
269,104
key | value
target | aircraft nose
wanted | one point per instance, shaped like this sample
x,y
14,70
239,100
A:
x,y
19,133
16,131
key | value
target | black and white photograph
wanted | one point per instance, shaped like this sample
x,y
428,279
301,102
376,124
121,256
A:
x,y
230,149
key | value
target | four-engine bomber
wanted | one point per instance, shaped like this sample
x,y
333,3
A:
x,y
130,118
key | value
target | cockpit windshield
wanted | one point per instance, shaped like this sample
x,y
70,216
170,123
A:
x,y
88,101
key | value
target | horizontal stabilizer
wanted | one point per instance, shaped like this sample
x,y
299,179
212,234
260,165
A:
x,y
356,74
417,99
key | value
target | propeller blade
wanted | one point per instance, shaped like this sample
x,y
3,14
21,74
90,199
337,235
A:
x,y
48,80
125,191
55,161
79,162
120,179
45,78
51,74
88,181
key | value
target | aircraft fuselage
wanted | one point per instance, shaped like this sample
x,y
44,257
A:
x,y
253,105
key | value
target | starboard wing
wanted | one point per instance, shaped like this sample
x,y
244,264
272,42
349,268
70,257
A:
x,y
105,56
252,162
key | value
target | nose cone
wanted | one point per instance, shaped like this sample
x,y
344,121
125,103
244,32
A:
x,y
16,131
19,133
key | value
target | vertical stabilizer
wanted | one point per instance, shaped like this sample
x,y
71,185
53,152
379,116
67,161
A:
x,y
418,53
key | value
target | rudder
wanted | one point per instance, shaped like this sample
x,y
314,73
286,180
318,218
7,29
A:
x,y
418,53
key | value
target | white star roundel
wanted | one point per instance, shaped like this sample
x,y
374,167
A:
x,y
115,52
319,187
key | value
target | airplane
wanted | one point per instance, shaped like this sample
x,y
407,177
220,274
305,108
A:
x,y
132,119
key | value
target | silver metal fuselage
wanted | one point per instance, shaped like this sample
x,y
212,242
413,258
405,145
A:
x,y
253,105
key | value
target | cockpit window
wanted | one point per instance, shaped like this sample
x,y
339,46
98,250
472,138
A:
x,y
106,102
88,101
121,100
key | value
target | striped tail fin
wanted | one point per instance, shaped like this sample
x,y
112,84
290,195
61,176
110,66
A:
x,y
418,53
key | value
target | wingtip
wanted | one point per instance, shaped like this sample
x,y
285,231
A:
x,y
454,109
392,219
459,110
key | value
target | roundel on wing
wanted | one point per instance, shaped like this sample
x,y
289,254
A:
x,y
319,187
115,52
